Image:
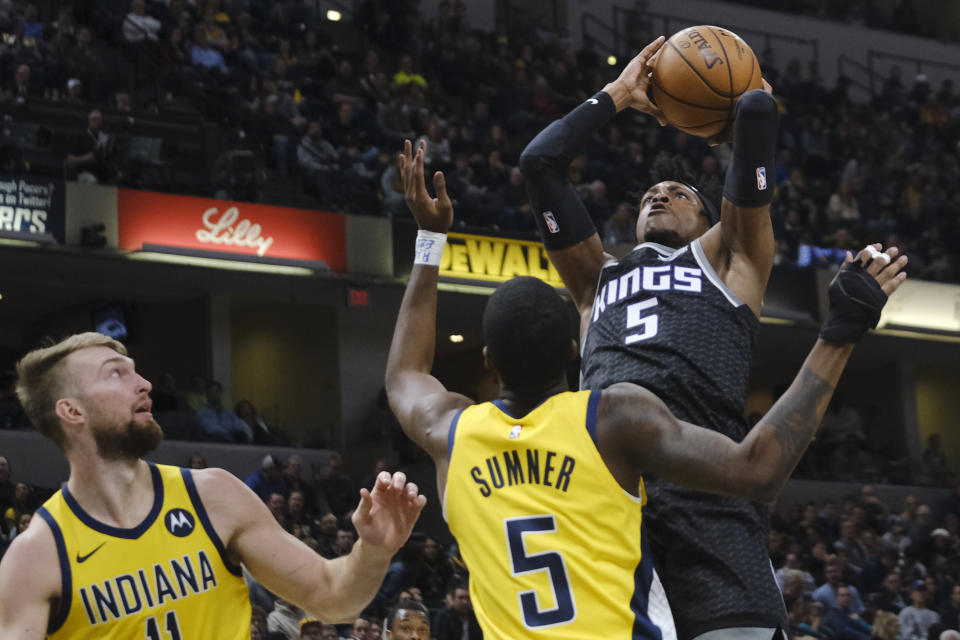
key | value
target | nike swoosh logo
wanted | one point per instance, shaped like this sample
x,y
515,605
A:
x,y
87,557
593,101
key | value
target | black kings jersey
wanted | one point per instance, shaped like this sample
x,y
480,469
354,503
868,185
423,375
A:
x,y
663,319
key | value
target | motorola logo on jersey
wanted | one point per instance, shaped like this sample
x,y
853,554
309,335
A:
x,y
179,522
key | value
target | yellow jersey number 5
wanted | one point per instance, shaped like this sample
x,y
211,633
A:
x,y
522,563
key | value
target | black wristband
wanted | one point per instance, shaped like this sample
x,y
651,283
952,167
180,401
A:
x,y
856,300
750,177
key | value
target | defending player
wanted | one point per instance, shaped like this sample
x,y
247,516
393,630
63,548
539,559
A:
x,y
130,549
542,487
678,316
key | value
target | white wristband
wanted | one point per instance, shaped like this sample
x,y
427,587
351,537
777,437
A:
x,y
429,248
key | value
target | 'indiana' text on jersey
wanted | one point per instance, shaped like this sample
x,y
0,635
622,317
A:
x,y
551,539
166,579
664,319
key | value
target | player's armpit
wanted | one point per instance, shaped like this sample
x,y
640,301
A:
x,y
29,583
424,409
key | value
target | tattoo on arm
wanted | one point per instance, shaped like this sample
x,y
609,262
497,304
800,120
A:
x,y
796,415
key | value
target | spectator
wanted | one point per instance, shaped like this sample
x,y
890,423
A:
x,y
268,479
32,27
361,626
327,536
74,93
432,574
950,613
138,26
293,479
90,155
856,554
197,461
842,621
277,505
794,563
336,488
318,159
297,522
458,621
285,618
406,75
204,56
22,503
262,434
917,618
345,541
826,594
935,462
196,397
219,424
21,88
311,629
886,626
890,598
894,536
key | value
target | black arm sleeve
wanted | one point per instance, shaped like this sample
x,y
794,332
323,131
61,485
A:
x,y
561,217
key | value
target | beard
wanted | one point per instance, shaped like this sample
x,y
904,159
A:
x,y
666,237
134,440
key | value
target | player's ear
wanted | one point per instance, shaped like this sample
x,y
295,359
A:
x,y
487,360
69,411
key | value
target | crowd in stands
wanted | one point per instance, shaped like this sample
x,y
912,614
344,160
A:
x,y
902,16
328,117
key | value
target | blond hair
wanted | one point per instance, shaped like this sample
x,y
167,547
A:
x,y
881,625
41,383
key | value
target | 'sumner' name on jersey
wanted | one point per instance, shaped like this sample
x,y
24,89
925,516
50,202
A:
x,y
647,278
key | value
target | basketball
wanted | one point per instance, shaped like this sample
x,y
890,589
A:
x,y
698,74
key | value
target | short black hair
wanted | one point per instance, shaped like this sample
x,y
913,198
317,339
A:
x,y
407,604
676,169
527,327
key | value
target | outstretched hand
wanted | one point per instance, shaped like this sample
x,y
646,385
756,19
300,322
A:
x,y
884,266
431,214
630,88
386,515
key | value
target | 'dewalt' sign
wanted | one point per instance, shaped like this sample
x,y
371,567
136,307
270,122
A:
x,y
483,258
32,205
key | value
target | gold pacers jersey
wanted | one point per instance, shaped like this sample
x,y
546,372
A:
x,y
551,540
166,579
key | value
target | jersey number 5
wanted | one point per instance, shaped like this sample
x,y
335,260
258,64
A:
x,y
522,563
635,318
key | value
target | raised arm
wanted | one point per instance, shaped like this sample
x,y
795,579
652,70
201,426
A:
x,y
332,590
566,229
637,433
741,248
421,403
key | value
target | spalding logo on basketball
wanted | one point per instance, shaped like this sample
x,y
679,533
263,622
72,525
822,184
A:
x,y
179,522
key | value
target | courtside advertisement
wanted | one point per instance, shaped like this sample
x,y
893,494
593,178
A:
x,y
252,230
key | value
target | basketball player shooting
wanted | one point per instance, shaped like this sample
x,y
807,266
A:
x,y
542,487
678,316
131,549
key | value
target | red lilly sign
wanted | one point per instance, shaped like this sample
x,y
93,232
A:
x,y
264,231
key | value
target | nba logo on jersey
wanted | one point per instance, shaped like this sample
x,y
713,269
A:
x,y
552,225
179,522
761,178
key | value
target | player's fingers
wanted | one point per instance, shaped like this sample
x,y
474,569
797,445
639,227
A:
x,y
866,254
383,481
894,283
890,271
878,260
412,490
440,184
767,86
651,48
398,481
366,504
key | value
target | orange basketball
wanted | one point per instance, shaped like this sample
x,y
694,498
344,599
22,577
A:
x,y
698,75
